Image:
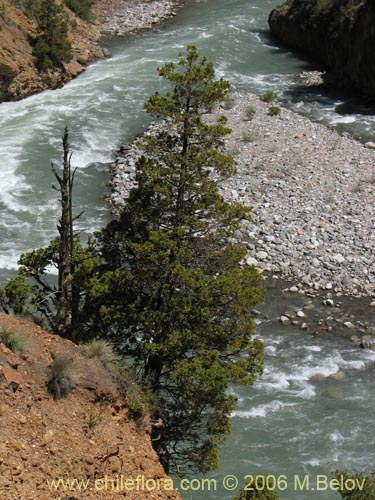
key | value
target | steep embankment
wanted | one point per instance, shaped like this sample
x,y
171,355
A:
x,y
87,436
339,34
19,77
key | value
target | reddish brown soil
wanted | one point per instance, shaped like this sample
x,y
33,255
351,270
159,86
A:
x,y
88,435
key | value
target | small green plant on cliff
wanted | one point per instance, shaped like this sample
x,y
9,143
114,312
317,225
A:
x,y
101,349
356,486
60,381
136,398
228,102
262,488
250,113
274,110
3,10
80,7
248,136
51,48
268,96
15,342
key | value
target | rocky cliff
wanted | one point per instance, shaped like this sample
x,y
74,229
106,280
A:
x,y
18,75
89,440
339,34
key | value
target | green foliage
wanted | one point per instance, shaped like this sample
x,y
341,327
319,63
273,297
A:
x,y
94,417
165,283
268,96
60,381
274,110
261,489
3,10
248,136
81,7
101,349
171,292
358,486
51,47
44,295
15,342
250,113
15,295
137,399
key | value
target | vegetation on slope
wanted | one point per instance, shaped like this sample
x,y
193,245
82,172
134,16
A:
x,y
165,283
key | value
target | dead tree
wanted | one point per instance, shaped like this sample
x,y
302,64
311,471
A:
x,y
68,302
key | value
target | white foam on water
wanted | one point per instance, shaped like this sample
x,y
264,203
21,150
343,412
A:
x,y
313,462
342,119
262,410
204,34
270,350
9,261
336,437
314,348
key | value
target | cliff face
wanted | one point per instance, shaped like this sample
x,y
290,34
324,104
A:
x,y
18,75
89,436
339,34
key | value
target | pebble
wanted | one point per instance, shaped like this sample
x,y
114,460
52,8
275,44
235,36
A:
x,y
348,324
130,17
310,221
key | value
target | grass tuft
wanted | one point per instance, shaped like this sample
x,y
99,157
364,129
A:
x,y
13,341
101,349
60,382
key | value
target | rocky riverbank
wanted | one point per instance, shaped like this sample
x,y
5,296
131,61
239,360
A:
x,y
120,18
312,191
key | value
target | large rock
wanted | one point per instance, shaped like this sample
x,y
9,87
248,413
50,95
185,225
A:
x,y
338,34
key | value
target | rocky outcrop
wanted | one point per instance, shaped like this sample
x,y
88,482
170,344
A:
x,y
18,75
339,34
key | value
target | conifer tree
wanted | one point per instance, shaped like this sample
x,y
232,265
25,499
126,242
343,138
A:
x,y
173,294
51,47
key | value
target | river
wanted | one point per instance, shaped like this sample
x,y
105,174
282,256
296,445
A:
x,y
295,420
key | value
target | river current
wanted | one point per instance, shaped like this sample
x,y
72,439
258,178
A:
x,y
296,419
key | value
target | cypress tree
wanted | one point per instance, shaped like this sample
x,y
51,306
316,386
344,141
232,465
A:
x,y
173,293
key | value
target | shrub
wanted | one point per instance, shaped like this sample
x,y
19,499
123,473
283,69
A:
x,y
80,7
136,398
274,110
268,96
261,489
51,47
250,112
60,382
364,486
248,136
101,349
16,343
228,102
